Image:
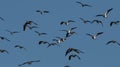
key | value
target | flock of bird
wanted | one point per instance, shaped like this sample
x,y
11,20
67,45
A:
x,y
70,52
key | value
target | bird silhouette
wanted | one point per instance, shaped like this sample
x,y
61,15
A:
x,y
83,4
84,20
20,47
105,15
28,23
66,22
73,49
114,22
98,22
113,41
73,56
2,51
43,42
39,34
4,38
28,62
95,35
42,11
52,44
66,66
13,32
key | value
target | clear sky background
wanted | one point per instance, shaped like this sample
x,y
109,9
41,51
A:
x,y
97,53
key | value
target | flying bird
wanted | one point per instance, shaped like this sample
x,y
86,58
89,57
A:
x,y
98,22
28,23
105,15
39,34
43,42
83,4
66,66
73,49
4,38
28,62
12,32
114,22
95,35
42,12
84,20
113,41
66,22
20,47
2,51
73,56
52,44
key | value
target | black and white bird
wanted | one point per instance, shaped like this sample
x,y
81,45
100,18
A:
x,y
112,41
40,34
13,32
73,49
85,21
42,11
4,38
28,62
3,51
43,42
105,15
98,22
66,22
20,47
69,30
83,4
73,56
114,22
28,23
94,36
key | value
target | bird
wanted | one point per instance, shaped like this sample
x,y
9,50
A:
x,y
66,22
69,30
105,15
73,56
42,11
2,19
43,42
28,23
85,21
66,66
52,44
95,35
83,4
19,46
28,62
4,38
98,22
73,49
114,22
13,32
69,34
112,41
2,51
39,34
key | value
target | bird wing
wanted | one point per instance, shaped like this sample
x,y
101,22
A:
x,y
71,21
62,22
111,23
108,11
73,28
45,11
109,42
24,26
89,34
99,33
2,19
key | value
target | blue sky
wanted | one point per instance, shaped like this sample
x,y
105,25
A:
x,y
97,54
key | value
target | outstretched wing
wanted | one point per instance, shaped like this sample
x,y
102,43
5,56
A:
x,y
99,33
109,10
